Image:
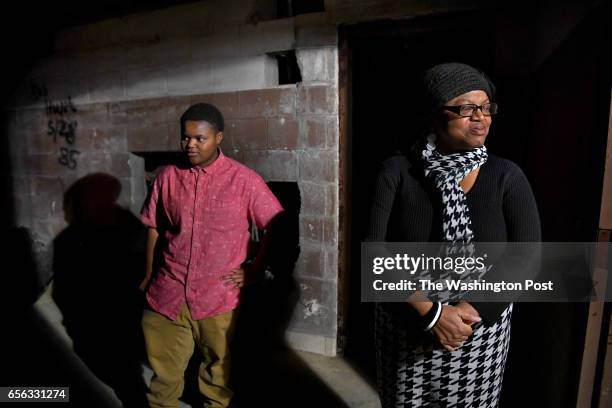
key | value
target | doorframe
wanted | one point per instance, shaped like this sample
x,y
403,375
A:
x,y
344,187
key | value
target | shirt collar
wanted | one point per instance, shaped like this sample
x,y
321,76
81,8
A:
x,y
213,167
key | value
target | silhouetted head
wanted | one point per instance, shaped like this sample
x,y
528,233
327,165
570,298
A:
x,y
92,199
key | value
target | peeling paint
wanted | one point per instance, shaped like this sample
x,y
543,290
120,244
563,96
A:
x,y
312,308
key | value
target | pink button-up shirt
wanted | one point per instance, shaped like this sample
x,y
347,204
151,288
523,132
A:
x,y
203,217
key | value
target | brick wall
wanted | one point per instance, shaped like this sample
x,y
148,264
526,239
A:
x,y
97,107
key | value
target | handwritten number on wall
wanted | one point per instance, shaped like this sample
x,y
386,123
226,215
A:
x,y
59,124
68,157
62,128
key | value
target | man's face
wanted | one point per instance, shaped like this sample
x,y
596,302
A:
x,y
200,141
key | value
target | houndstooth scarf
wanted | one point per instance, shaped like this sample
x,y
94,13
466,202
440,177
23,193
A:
x,y
447,171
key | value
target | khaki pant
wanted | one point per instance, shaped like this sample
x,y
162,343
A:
x,y
170,345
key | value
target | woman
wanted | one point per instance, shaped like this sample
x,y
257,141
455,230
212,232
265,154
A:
x,y
449,189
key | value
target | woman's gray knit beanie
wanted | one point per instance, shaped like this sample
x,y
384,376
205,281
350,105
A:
x,y
444,82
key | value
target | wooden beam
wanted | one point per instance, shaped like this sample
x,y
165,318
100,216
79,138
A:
x,y
596,309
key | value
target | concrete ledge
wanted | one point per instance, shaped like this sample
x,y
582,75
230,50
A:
x,y
325,346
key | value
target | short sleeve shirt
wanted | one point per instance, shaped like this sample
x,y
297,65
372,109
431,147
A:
x,y
202,216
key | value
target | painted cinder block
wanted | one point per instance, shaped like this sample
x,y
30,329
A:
x,y
331,200
101,138
267,102
93,162
174,107
316,100
224,42
283,133
148,138
121,165
99,61
237,155
90,115
330,231
231,126
117,113
313,198
68,86
226,102
160,54
311,228
145,82
189,78
106,87
331,264
250,134
145,113
316,311
318,64
313,132
315,30
42,164
273,165
267,36
38,141
174,137
311,262
250,72
126,195
47,186
318,165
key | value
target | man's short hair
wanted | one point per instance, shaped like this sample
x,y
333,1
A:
x,y
203,112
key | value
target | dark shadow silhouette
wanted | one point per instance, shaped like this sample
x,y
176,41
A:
x,y
34,355
266,372
98,264
21,283
31,351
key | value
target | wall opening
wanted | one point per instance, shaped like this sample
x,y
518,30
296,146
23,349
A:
x,y
288,68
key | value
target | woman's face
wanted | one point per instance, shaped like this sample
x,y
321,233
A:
x,y
456,133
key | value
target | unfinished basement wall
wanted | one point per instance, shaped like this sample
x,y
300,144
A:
x,y
116,88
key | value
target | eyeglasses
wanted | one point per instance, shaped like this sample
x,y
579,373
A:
x,y
469,109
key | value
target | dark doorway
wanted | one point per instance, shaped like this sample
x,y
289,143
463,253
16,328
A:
x,y
384,62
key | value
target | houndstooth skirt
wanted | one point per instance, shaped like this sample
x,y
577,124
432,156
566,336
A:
x,y
419,374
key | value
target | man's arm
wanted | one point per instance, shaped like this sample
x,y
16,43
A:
x,y
150,254
239,276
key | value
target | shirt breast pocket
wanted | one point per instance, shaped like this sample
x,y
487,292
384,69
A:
x,y
227,216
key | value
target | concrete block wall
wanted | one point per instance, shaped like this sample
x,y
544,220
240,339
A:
x,y
117,88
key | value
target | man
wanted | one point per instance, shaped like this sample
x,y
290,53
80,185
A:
x,y
198,217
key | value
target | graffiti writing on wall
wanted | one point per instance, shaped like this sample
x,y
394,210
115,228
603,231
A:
x,y
61,125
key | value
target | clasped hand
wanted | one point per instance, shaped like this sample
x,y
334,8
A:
x,y
455,325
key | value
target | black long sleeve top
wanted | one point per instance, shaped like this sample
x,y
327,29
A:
x,y
406,207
